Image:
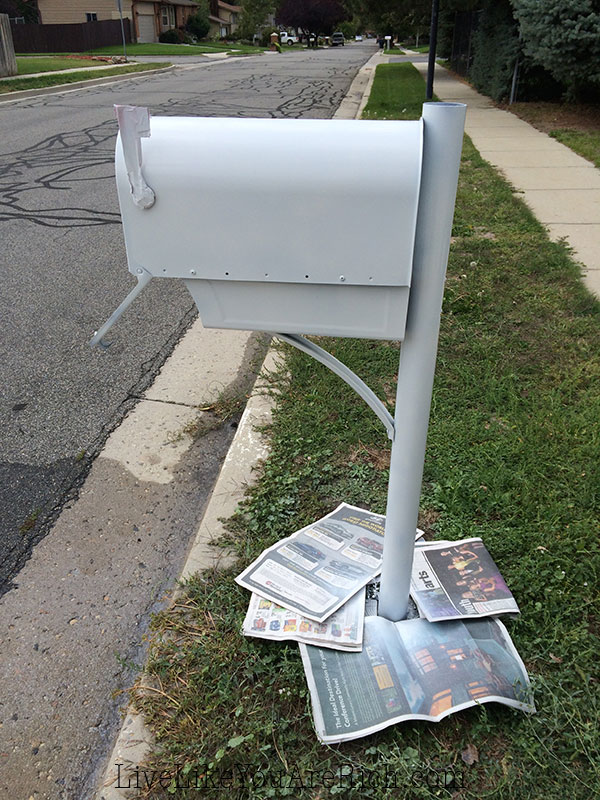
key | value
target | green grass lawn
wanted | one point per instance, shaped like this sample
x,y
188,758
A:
x,y
27,65
399,97
51,79
512,456
175,49
585,143
422,48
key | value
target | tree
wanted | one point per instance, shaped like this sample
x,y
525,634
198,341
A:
x,y
197,24
311,16
20,8
253,17
400,17
563,36
495,48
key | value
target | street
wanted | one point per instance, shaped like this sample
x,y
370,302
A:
x,y
74,615
64,269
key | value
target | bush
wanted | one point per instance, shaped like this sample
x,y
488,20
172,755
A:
x,y
174,36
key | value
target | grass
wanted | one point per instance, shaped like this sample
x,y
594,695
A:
x,y
158,49
19,84
585,143
512,456
25,65
397,94
422,48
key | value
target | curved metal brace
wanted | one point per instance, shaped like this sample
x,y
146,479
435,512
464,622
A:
x,y
346,374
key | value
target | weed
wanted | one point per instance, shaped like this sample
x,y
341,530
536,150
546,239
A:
x,y
29,523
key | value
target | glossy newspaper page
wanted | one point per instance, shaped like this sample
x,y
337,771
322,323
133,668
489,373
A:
x,y
413,669
316,570
458,580
343,630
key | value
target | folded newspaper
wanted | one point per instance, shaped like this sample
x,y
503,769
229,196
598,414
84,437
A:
x,y
343,630
458,580
317,569
413,669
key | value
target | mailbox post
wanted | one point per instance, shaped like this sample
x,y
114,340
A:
x,y
444,124
389,185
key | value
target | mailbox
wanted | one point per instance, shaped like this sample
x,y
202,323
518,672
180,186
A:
x,y
253,214
327,227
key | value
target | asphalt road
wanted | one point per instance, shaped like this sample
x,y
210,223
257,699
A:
x,y
63,267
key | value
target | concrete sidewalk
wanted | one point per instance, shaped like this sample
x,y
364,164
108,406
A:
x,y
560,187
92,68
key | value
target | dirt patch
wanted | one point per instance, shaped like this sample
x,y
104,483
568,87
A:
x,y
548,117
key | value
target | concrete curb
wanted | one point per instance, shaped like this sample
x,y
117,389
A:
x,y
248,448
357,96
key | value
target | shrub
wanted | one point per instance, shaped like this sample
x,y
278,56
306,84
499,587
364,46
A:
x,y
173,36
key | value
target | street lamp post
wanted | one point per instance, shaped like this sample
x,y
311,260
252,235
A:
x,y
435,6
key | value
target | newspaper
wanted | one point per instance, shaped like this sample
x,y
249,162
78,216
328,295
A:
x,y
458,580
317,569
413,669
343,630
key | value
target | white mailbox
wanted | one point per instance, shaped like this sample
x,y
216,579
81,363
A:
x,y
326,227
254,213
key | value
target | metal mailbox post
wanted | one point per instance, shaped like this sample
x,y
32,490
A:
x,y
382,188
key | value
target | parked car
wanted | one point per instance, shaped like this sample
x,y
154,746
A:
x,y
332,528
306,550
350,570
369,544
288,38
358,38
337,38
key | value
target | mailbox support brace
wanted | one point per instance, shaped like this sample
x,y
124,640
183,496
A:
x,y
443,134
143,279
346,374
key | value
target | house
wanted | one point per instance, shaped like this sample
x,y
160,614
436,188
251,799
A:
x,y
149,18
223,18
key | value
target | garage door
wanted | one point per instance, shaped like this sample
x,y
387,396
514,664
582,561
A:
x,y
146,28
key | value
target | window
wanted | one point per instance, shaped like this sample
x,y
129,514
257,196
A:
x,y
91,16
167,14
